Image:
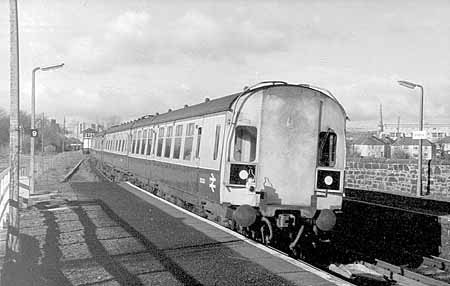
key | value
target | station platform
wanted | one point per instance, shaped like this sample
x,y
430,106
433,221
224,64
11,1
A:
x,y
91,232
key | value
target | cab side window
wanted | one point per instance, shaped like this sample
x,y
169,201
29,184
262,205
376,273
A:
x,y
216,142
245,144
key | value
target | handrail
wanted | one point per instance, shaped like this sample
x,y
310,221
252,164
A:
x,y
4,195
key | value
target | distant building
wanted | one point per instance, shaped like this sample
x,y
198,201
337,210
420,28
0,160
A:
x,y
443,146
73,144
82,126
370,146
88,134
435,131
387,140
409,146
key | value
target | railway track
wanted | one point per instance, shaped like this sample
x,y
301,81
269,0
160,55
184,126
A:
x,y
433,271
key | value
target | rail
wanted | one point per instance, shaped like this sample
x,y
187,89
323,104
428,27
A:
x,y
399,272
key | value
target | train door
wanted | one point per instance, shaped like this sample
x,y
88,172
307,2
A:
x,y
241,153
209,174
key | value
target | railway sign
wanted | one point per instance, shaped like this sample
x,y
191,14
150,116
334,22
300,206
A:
x,y
212,183
420,134
34,133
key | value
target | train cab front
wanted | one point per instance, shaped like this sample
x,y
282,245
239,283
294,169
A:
x,y
284,166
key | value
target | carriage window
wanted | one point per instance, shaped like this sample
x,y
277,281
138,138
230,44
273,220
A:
x,y
245,144
168,142
188,141
144,139
154,137
134,141
199,137
216,143
327,148
138,142
160,141
177,144
149,141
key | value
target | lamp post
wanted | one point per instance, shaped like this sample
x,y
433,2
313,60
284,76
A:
x,y
412,86
33,79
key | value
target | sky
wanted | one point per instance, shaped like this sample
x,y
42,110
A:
x,y
126,59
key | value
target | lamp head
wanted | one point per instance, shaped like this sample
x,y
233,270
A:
x,y
52,67
407,84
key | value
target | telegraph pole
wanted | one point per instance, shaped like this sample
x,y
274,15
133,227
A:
x,y
42,134
12,242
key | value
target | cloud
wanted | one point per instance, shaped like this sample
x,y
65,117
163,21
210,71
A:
x,y
131,24
136,38
141,57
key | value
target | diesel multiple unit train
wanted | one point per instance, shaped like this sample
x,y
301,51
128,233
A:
x,y
268,161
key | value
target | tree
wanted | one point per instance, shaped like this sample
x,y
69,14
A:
x,y
52,133
400,154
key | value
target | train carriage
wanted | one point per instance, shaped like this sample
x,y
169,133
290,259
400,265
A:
x,y
269,159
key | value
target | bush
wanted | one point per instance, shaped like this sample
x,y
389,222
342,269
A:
x,y
400,154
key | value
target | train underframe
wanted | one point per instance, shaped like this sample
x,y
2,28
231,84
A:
x,y
301,232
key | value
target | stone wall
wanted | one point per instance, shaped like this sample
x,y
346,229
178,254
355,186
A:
x,y
398,176
444,249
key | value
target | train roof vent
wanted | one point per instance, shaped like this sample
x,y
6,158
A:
x,y
186,105
207,99
157,113
170,110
